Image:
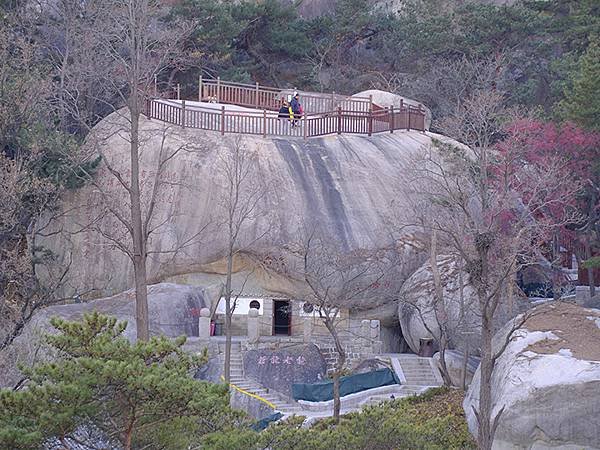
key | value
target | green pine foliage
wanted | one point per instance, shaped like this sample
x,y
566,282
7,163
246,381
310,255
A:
x,y
433,421
137,394
591,263
582,100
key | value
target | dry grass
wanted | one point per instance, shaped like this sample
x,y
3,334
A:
x,y
575,327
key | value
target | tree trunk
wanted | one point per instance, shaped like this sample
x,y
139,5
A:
x,y
139,241
590,270
337,402
463,378
341,362
228,313
439,309
485,435
556,267
443,367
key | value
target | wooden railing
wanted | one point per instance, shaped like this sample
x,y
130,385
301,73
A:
x,y
261,97
325,114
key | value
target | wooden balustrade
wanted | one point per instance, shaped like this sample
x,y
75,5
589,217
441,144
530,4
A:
x,y
325,114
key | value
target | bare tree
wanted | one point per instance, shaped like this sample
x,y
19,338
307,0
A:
x,y
489,200
335,278
242,192
445,84
132,44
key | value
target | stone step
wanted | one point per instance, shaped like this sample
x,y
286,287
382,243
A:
x,y
405,364
247,386
414,364
420,377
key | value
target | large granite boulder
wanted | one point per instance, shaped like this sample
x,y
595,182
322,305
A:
x,y
455,364
173,310
547,380
342,184
279,369
417,308
386,99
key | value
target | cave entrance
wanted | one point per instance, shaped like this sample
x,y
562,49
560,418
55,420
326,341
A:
x,y
282,317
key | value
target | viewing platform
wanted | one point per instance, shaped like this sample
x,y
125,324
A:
x,y
228,107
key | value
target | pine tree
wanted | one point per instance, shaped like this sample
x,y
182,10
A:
x,y
133,393
582,100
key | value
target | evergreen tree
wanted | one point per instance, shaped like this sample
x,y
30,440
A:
x,y
582,101
135,394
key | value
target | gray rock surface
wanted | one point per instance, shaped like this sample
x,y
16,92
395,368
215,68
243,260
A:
x,y
417,309
211,371
547,381
344,184
251,406
279,369
455,363
386,99
370,365
173,311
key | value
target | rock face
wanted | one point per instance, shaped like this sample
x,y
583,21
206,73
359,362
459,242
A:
x,y
342,184
387,99
370,365
417,309
280,369
172,309
547,381
455,363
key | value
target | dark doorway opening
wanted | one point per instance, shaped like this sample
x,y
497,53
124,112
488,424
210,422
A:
x,y
282,317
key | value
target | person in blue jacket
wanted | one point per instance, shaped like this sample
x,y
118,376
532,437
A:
x,y
296,107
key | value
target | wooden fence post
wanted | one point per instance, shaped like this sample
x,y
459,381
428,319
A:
x,y
200,88
178,92
256,96
304,127
223,120
339,121
392,124
422,112
370,119
264,121
218,89
182,118
155,85
408,118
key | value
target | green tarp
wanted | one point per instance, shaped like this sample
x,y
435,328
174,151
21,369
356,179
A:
x,y
320,392
264,423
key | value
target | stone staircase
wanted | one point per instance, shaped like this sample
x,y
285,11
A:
x,y
282,404
416,372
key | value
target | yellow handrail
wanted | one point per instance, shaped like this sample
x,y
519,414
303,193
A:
x,y
250,394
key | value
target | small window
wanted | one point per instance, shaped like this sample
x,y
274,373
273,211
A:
x,y
254,304
308,308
